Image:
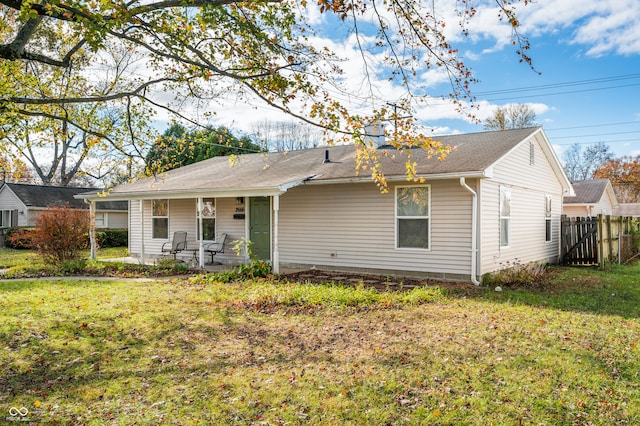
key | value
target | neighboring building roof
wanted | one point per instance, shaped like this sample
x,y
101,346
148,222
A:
x,y
591,192
472,155
40,196
627,209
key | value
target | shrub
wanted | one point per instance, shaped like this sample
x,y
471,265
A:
x,y
72,266
515,273
61,233
112,238
19,238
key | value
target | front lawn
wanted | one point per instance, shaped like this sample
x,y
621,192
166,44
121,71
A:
x,y
197,351
27,263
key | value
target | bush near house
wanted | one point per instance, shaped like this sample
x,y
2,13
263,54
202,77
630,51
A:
x,y
61,233
18,238
112,238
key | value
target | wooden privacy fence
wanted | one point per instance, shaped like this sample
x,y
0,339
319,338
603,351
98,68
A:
x,y
590,240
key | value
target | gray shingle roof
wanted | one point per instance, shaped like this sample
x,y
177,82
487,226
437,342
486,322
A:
x,y
473,152
40,196
587,191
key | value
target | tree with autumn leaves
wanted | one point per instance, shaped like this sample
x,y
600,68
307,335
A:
x,y
624,174
262,52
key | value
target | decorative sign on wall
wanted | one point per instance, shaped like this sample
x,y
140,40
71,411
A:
x,y
239,212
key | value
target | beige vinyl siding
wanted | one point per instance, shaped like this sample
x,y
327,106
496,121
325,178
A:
x,y
529,184
575,210
9,201
353,226
135,230
235,229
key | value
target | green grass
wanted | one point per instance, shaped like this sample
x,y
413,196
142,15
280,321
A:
x,y
197,351
27,263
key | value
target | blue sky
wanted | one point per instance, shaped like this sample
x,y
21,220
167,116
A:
x,y
579,96
587,53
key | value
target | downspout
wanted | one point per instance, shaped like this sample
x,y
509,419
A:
x,y
474,231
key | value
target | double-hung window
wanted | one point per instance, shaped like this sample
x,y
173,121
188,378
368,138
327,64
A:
x,y
160,218
413,216
208,220
100,220
6,217
505,216
547,218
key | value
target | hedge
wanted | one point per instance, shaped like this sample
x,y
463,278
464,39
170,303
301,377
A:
x,y
20,238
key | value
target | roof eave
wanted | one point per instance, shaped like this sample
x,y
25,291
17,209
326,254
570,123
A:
x,y
195,193
403,178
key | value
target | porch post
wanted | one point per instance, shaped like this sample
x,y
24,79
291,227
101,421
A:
x,y
200,232
142,256
276,253
92,229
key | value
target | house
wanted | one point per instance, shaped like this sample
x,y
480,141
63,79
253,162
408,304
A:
x,y
20,204
592,197
494,201
627,210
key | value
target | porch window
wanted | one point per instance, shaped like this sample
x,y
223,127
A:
x,y
160,218
208,220
505,216
413,216
547,217
100,222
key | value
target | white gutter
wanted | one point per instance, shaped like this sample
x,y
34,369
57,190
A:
x,y
317,180
474,230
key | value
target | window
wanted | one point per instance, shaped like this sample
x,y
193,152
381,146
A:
x,y
160,218
208,219
412,217
6,218
505,216
547,217
100,223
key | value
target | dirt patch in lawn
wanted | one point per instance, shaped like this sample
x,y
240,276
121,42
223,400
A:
x,y
379,282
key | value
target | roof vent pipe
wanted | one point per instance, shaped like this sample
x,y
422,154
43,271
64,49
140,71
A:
x,y
326,157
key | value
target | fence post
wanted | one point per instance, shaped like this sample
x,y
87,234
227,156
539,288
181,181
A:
x,y
600,241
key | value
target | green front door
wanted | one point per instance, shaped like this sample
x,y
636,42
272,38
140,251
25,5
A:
x,y
260,227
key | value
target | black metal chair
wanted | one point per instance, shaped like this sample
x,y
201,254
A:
x,y
178,244
216,246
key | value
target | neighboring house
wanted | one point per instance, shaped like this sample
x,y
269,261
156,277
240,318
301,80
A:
x,y
592,197
628,210
20,205
495,201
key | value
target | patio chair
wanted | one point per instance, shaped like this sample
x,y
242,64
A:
x,y
178,244
215,247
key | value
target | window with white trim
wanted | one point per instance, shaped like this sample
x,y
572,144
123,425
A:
x,y
413,216
505,216
547,218
160,219
6,218
100,222
208,220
